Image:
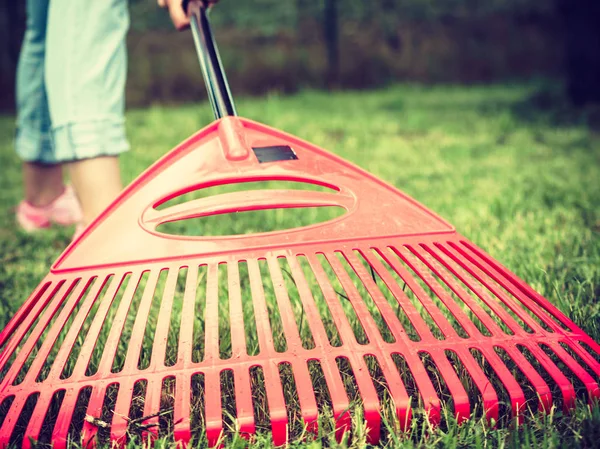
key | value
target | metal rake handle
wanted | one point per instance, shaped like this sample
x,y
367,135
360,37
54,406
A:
x,y
210,61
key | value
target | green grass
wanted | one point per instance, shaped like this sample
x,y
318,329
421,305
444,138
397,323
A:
x,y
518,179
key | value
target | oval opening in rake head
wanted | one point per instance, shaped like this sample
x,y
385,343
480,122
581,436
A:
x,y
231,186
251,222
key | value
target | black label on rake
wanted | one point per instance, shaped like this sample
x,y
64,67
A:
x,y
274,153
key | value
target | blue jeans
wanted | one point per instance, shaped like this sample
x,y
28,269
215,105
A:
x,y
71,80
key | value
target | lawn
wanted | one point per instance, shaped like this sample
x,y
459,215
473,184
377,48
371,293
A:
x,y
513,169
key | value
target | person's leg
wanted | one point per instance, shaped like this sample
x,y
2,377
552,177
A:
x,y
43,183
86,65
97,182
42,177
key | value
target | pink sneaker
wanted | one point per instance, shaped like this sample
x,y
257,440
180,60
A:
x,y
64,210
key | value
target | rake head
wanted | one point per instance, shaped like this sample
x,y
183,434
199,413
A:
x,y
139,330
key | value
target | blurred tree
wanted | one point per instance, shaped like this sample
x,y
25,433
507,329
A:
x,y
303,15
12,25
331,35
389,22
582,27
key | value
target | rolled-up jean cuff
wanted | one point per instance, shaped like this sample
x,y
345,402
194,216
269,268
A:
x,y
76,141
34,146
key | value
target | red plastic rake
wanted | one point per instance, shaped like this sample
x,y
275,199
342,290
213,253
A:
x,y
139,330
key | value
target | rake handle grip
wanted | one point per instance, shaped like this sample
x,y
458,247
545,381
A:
x,y
210,61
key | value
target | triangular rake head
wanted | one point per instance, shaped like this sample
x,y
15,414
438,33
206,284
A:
x,y
139,331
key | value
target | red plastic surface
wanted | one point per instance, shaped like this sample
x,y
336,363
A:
x,y
409,248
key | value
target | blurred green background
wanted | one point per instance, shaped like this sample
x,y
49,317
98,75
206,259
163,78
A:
x,y
287,45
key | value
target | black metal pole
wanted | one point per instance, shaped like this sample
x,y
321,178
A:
x,y
210,62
